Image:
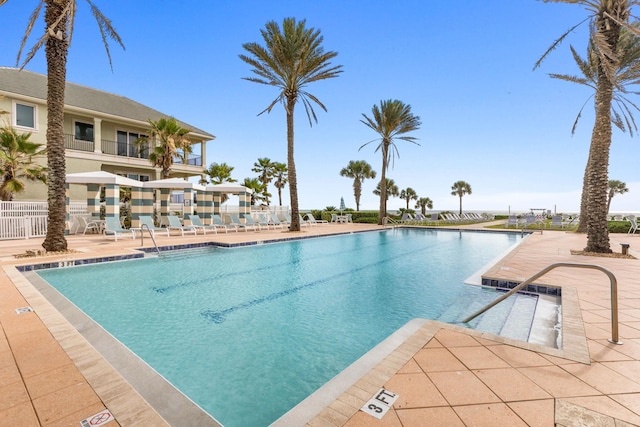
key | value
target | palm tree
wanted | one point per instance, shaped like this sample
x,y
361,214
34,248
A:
x,y
290,60
392,120
615,187
358,170
423,203
264,168
606,17
170,142
460,188
627,73
280,174
218,174
391,190
408,194
255,185
16,162
59,18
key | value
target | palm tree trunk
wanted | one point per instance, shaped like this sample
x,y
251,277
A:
x,y
383,184
293,179
598,170
460,204
357,191
584,205
56,54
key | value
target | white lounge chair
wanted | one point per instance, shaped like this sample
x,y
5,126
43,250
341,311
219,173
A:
x,y
113,228
262,220
634,224
556,221
313,221
174,224
87,225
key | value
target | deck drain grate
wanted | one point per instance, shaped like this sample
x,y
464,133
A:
x,y
23,310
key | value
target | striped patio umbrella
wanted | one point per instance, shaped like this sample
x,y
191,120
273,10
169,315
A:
x,y
341,205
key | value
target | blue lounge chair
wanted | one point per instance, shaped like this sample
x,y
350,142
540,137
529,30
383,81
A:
x,y
197,222
275,221
147,221
174,224
235,220
217,221
113,228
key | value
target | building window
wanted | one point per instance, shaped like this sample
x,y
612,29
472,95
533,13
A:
x,y
128,147
84,131
25,115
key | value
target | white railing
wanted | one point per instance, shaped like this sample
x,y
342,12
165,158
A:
x,y
23,227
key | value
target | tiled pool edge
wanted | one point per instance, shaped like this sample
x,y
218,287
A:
x,y
124,402
574,347
158,394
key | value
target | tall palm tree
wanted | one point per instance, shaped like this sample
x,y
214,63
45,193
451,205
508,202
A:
x,y
460,188
59,18
255,185
358,170
280,174
290,59
627,73
391,120
408,194
16,162
606,18
423,203
218,174
264,168
615,187
169,141
391,190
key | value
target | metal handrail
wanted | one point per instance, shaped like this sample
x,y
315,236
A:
x,y
614,294
142,227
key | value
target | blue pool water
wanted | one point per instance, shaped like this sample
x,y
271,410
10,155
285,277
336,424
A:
x,y
249,332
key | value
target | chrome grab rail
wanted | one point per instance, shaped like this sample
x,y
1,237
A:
x,y
142,227
614,294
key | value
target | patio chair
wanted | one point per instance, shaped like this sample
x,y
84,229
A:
x,y
217,221
87,225
634,224
113,228
147,221
174,224
197,222
334,217
248,220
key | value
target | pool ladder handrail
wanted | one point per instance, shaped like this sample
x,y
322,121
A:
x,y
388,220
614,294
142,227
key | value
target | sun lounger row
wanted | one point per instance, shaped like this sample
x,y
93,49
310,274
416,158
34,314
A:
x,y
195,225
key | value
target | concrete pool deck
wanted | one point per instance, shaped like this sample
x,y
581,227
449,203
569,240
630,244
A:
x,y
51,376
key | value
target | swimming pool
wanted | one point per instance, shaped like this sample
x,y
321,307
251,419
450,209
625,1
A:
x,y
249,332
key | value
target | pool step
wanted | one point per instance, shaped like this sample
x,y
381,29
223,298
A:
x,y
518,312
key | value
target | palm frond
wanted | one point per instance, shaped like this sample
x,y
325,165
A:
x,y
557,43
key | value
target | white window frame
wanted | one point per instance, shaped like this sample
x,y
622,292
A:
x,y
15,115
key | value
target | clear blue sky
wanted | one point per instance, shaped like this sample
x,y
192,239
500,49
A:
x,y
465,67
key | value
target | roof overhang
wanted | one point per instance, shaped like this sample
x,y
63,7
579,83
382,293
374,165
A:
x,y
229,188
101,178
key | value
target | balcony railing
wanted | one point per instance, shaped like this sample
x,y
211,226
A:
x,y
72,143
193,160
124,149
